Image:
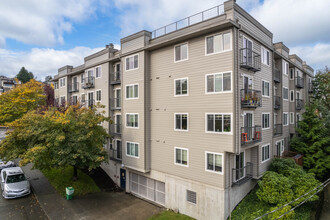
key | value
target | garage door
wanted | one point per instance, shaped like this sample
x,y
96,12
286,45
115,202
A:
x,y
147,188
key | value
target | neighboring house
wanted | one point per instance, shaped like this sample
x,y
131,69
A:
x,y
6,84
199,108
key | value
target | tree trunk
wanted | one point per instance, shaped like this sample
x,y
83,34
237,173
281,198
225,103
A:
x,y
75,173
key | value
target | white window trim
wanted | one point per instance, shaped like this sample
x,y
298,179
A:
x,y
212,171
292,117
283,93
224,51
175,114
265,113
126,120
249,39
64,79
287,118
291,91
262,47
179,164
91,69
265,96
269,152
231,83
187,87
96,95
133,91
132,155
126,70
282,145
284,68
252,113
100,72
213,132
187,52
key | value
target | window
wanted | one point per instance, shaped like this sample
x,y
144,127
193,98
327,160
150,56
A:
x,y
181,87
218,43
82,78
219,123
83,99
181,156
181,52
62,82
265,56
292,74
218,82
55,85
265,153
98,72
285,68
291,95
132,149
291,118
181,122
132,120
265,88
132,62
74,100
285,93
191,197
265,120
132,91
285,119
214,162
98,95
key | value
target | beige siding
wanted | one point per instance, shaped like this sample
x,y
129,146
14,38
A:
x,y
133,44
94,61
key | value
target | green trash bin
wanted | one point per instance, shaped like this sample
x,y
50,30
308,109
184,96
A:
x,y
69,192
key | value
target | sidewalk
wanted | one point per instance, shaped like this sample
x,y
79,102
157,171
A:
x,y
103,205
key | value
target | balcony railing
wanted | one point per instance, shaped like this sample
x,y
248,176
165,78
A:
x,y
277,102
115,78
299,104
250,135
90,103
250,98
74,87
88,82
194,19
310,87
115,129
250,60
299,82
115,154
115,104
277,75
243,174
278,129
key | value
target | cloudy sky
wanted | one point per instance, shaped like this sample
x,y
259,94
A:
x,y
45,35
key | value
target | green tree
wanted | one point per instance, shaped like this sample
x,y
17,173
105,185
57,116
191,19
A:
x,y
313,141
24,75
53,139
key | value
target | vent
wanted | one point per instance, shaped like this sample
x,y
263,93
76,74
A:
x,y
191,196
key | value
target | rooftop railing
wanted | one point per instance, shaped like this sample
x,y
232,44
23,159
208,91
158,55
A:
x,y
188,21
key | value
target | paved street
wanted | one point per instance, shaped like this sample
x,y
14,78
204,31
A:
x,y
25,208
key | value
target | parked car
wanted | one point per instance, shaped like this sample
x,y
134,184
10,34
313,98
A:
x,y
13,183
4,164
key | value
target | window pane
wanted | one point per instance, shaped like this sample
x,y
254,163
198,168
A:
x,y
210,83
210,122
136,91
218,123
226,82
218,163
127,121
128,149
184,51
218,45
209,46
136,61
136,150
177,53
218,83
226,123
184,122
127,63
127,91
184,84
184,157
136,120
177,87
132,149
226,41
266,88
177,121
178,155
210,162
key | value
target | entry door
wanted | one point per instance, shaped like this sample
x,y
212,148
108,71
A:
x,y
247,83
75,83
118,98
240,166
247,53
90,99
118,123
248,125
122,178
118,149
278,148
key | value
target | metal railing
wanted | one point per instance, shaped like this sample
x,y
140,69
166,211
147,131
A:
x,y
188,21
88,82
250,98
277,75
115,78
115,154
299,104
115,104
115,129
250,135
278,129
250,60
74,87
277,102
241,175
299,82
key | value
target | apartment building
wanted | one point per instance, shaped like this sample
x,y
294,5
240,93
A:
x,y
6,84
199,108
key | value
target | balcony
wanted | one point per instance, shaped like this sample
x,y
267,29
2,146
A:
x,y
115,104
243,174
299,82
278,129
250,98
115,129
310,87
250,60
115,154
88,82
277,75
115,78
277,102
299,104
250,135
74,87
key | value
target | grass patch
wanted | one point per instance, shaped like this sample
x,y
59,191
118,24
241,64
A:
x,y
61,178
169,215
